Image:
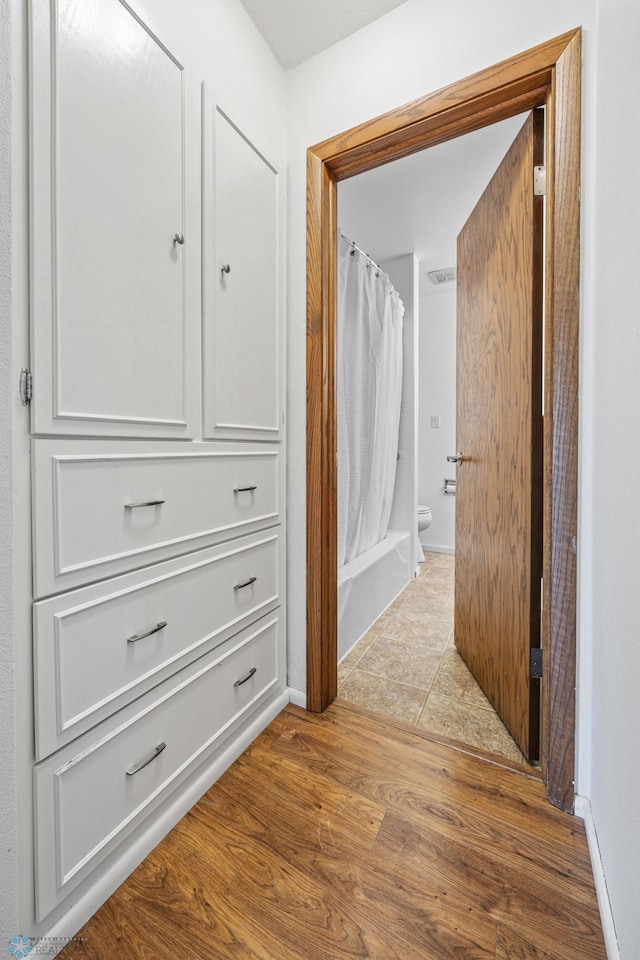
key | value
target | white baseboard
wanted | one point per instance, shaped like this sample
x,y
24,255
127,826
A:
x,y
140,845
297,697
435,548
583,810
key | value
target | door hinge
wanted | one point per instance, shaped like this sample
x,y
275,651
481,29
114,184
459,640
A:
x,y
536,663
26,387
539,181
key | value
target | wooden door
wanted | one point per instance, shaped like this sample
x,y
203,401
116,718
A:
x,y
115,329
242,349
499,434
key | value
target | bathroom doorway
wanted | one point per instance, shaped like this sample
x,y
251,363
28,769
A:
x,y
546,75
407,216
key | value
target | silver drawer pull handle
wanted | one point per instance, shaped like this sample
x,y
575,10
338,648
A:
x,y
247,583
149,633
246,677
178,238
143,763
143,503
244,489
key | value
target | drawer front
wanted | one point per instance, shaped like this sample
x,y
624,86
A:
x,y
99,647
92,793
106,508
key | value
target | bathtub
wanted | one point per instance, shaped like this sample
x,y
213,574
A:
x,y
368,584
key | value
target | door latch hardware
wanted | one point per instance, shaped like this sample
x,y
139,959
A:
x,y
536,663
539,181
25,386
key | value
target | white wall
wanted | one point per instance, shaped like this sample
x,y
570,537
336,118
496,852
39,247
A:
x,y
418,48
613,423
437,397
217,42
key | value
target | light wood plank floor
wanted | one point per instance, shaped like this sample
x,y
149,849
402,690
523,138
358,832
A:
x,y
347,836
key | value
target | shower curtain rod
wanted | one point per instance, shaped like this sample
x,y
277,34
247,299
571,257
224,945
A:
x,y
360,250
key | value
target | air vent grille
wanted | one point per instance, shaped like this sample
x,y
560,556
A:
x,y
445,275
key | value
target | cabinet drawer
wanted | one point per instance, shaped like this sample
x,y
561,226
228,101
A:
x,y
99,647
105,508
91,794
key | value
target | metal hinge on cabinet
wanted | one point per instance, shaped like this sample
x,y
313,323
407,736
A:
x,y
536,663
539,181
26,386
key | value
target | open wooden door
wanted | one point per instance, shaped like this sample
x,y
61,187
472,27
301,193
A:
x,y
499,436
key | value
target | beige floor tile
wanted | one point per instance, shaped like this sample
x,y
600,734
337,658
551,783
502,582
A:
x,y
396,605
475,727
410,650
432,606
439,561
344,669
419,630
455,680
388,697
361,647
405,662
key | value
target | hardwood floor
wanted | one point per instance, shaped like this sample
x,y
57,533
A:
x,y
342,835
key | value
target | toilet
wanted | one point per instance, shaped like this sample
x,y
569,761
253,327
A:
x,y
424,521
424,518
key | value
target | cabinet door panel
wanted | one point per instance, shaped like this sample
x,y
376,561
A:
x,y
241,341
111,344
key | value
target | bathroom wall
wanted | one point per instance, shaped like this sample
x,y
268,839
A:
x,y
437,397
403,273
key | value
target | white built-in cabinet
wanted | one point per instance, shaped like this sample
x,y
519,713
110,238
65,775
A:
x,y
116,238
241,307
157,451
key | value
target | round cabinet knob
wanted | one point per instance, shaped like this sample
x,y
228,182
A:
x,y
225,268
178,238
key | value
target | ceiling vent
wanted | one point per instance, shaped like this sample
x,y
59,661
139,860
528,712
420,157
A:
x,y
446,275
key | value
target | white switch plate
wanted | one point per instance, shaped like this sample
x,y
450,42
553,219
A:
x,y
435,422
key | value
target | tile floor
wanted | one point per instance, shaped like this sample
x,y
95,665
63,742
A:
x,y
407,667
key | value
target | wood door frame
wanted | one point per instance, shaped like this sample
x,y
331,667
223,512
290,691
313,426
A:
x,y
547,75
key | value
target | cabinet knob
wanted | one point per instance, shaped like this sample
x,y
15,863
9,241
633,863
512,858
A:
x,y
225,268
178,238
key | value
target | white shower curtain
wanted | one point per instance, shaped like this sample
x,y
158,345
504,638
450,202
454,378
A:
x,y
370,315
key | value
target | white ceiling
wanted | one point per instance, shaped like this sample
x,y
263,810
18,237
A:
x,y
298,29
420,203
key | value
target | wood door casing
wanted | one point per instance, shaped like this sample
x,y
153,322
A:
x,y
499,432
547,75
